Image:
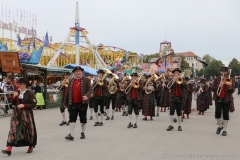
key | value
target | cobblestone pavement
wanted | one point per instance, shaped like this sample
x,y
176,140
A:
x,y
113,141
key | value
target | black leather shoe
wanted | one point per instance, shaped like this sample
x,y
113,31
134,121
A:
x,y
7,152
224,133
107,118
219,130
99,114
62,123
96,124
123,114
126,114
100,124
179,128
91,118
130,125
135,125
69,137
112,118
170,128
82,136
145,119
175,120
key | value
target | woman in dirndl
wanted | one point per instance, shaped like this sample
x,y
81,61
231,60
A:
x,y
39,95
22,125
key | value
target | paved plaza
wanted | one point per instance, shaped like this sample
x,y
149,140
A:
x,y
114,141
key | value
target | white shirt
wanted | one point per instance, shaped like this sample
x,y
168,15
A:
x,y
21,95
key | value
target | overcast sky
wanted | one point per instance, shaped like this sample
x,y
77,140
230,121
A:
x,y
201,26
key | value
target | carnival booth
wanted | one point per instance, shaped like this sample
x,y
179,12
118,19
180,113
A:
x,y
49,78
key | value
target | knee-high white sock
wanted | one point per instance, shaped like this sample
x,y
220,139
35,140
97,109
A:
x,y
179,120
63,116
157,109
225,124
91,111
83,127
123,107
219,121
113,111
126,108
171,120
104,108
72,128
130,117
136,118
96,115
107,112
101,117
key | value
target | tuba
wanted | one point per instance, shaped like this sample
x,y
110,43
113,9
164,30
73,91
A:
x,y
124,82
149,83
112,85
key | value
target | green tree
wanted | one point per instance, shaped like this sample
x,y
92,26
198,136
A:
x,y
213,68
200,72
207,58
235,66
184,64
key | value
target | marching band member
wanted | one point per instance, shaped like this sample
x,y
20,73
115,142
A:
x,y
195,85
149,98
91,100
158,95
76,98
99,95
164,102
64,91
209,92
110,97
202,100
177,92
134,97
121,96
223,97
188,99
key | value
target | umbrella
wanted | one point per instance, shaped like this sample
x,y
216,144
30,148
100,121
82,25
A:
x,y
87,69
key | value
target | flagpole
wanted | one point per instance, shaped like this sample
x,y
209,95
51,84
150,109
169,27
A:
x,y
77,57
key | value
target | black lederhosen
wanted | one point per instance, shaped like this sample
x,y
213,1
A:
x,y
78,109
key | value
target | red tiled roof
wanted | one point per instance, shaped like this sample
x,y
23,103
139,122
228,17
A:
x,y
165,42
186,54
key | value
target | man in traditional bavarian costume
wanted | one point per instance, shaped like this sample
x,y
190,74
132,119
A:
x,y
64,91
77,96
91,100
223,97
177,92
134,97
99,94
110,97
188,99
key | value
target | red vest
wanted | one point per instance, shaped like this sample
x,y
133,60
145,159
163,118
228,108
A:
x,y
134,93
76,91
98,92
223,91
177,92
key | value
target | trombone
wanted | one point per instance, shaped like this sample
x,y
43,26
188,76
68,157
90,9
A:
x,y
134,84
226,81
64,83
100,82
176,79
